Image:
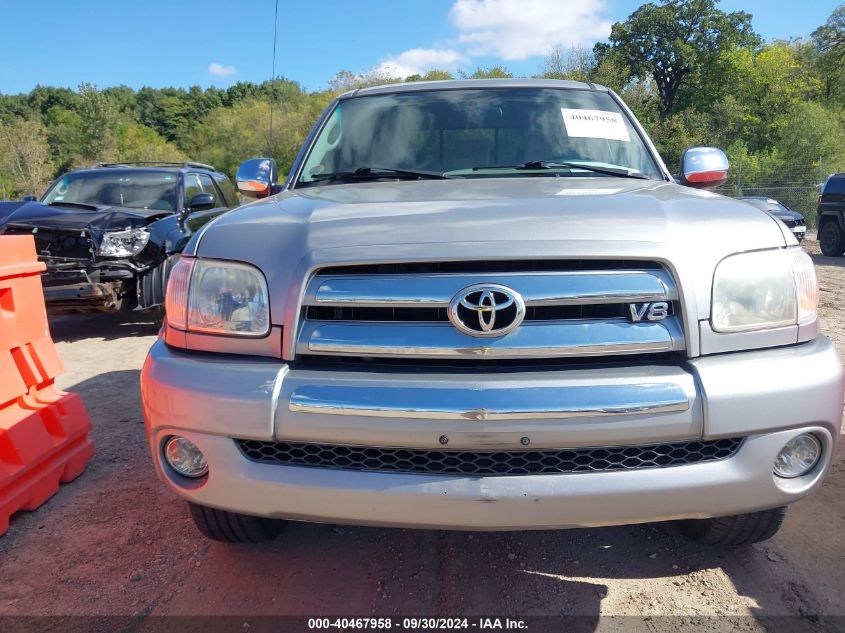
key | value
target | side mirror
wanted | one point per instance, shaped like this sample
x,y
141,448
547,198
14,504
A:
x,y
704,167
256,177
202,202
29,198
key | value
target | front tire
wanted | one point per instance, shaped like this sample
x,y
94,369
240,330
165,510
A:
x,y
230,527
732,531
832,239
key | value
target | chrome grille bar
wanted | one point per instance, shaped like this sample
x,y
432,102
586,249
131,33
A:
x,y
542,339
537,289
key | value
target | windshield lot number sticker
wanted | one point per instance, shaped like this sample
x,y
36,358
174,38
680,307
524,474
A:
x,y
595,124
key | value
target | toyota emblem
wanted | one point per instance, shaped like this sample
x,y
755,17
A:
x,y
486,310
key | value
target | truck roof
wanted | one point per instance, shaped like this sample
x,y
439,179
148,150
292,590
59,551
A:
x,y
159,166
457,84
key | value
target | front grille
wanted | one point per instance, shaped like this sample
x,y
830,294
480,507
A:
x,y
538,462
572,308
55,243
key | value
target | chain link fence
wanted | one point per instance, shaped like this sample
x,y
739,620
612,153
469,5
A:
x,y
795,184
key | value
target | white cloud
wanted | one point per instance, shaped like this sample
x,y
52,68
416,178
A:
x,y
518,29
420,60
511,30
220,70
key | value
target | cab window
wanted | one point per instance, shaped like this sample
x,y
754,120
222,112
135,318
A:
x,y
207,185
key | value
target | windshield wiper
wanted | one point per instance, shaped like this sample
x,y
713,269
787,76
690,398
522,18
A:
x,y
373,173
77,205
535,165
622,172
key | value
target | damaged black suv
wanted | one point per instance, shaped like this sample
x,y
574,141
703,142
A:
x,y
110,234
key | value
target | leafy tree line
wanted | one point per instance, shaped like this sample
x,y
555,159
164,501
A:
x,y
692,73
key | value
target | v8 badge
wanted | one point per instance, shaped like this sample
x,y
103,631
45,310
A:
x,y
656,311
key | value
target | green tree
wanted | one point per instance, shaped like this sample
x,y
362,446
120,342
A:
x,y
813,132
14,106
827,54
228,136
575,63
346,80
64,135
494,72
830,37
769,84
431,75
42,98
99,119
673,41
124,100
136,142
176,117
24,156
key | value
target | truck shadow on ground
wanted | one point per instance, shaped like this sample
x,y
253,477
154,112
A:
x,y
641,569
821,260
68,328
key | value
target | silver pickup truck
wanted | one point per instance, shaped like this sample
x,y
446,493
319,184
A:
x,y
488,305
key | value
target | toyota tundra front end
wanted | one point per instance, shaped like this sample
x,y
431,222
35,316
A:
x,y
487,305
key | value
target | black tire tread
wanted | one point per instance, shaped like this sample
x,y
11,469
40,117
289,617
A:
x,y
839,248
741,529
231,527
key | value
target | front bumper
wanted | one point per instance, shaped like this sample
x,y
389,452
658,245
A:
x,y
83,297
95,288
766,396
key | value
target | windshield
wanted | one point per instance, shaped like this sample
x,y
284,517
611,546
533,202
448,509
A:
x,y
117,187
478,133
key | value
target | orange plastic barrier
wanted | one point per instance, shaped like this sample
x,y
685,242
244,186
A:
x,y
43,431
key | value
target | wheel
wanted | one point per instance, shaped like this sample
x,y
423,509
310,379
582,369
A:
x,y
152,287
125,299
230,527
740,529
831,239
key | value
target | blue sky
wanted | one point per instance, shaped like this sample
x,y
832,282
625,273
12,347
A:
x,y
216,42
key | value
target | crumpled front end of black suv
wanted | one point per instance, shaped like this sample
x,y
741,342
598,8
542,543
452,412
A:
x,y
94,256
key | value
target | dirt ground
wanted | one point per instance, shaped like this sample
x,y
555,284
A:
x,y
115,542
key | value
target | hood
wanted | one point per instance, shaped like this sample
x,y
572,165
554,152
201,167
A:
x,y
290,234
95,221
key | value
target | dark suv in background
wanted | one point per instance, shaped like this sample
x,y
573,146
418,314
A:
x,y
109,234
831,210
793,220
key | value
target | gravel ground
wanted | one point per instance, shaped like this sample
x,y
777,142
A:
x,y
115,542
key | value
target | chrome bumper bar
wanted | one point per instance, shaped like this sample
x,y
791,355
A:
x,y
502,404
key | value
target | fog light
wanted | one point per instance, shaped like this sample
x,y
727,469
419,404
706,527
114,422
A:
x,y
798,457
184,457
